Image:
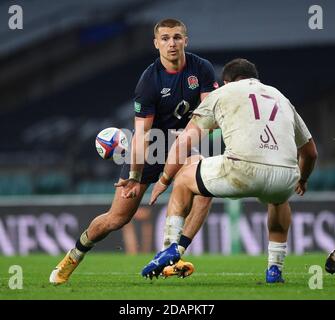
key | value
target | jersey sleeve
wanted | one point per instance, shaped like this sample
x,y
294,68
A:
x,y
207,77
302,134
145,96
204,115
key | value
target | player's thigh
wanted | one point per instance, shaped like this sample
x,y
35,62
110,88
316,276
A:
x,y
280,186
186,172
222,177
186,177
126,208
195,158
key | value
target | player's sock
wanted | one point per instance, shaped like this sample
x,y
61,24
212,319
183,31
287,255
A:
x,y
172,230
277,253
183,244
83,245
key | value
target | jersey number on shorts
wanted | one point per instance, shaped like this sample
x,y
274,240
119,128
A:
x,y
273,114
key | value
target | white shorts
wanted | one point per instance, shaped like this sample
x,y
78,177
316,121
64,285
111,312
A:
x,y
222,177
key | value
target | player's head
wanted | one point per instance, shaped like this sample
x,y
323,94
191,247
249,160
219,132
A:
x,y
239,69
170,39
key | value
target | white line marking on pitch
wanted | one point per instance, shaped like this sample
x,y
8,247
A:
x,y
195,274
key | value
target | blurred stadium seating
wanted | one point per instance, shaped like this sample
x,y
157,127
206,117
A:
x,y
72,71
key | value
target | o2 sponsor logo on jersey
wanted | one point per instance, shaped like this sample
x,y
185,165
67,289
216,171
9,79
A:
x,y
193,82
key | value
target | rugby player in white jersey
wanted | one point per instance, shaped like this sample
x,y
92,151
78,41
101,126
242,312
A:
x,y
269,154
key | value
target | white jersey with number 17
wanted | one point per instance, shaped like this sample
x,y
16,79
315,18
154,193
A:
x,y
258,123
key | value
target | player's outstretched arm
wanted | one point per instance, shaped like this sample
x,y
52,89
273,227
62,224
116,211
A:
x,y
181,148
307,158
131,186
157,190
177,156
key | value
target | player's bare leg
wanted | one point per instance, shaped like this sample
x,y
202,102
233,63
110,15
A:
x,y
199,211
195,219
279,221
184,190
120,213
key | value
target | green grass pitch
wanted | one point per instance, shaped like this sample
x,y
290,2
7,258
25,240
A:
x,y
117,276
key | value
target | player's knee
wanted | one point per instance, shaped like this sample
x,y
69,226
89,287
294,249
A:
x,y
278,228
202,204
180,180
185,174
194,159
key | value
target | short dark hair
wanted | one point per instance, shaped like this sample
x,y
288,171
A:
x,y
170,23
239,68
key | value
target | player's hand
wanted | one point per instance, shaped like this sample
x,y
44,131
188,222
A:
x,y
158,189
130,188
301,187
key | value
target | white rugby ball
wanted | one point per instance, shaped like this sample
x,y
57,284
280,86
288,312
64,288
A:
x,y
111,143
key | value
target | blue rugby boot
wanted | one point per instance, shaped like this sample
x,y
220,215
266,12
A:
x,y
151,265
169,256
273,275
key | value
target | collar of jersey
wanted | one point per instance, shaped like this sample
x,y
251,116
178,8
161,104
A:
x,y
172,72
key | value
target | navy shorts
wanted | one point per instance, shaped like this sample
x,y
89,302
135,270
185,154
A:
x,y
150,174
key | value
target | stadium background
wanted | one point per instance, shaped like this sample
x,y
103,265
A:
x,y
72,71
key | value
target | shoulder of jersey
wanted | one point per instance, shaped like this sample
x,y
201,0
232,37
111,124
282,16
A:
x,y
194,57
150,69
235,84
274,90
148,73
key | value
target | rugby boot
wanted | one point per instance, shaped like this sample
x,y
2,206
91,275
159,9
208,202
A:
x,y
181,269
64,269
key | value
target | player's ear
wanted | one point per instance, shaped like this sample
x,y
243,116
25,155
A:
x,y
156,43
186,41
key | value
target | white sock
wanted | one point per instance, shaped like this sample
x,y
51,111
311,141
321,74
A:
x,y
277,253
77,254
85,241
172,230
181,250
